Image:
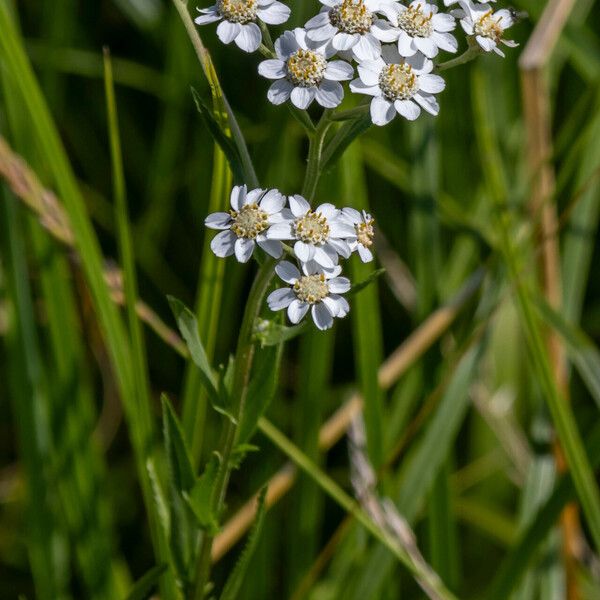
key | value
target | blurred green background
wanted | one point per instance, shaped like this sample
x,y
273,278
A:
x,y
69,494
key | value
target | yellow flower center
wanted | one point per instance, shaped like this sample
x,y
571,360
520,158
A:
x,y
311,288
351,16
488,26
312,228
306,68
249,221
415,23
365,232
238,11
398,82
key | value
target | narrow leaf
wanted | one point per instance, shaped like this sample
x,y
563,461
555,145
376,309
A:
x,y
178,455
146,584
200,498
235,580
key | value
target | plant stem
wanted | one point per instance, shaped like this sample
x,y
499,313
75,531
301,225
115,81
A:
x,y
472,52
315,154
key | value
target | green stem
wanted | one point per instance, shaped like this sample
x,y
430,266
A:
x,y
472,52
315,156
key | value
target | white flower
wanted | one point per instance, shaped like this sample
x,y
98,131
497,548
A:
x,y
487,26
352,25
450,2
239,20
423,29
315,288
398,85
247,223
363,224
320,234
303,73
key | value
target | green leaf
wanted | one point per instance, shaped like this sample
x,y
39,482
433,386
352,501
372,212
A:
x,y
345,135
199,499
220,137
580,348
188,326
146,584
222,402
263,386
272,333
178,455
235,580
359,287
239,454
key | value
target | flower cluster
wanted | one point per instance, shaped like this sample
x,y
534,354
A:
x,y
318,238
393,45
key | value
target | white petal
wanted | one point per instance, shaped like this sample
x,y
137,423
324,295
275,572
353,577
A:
x,y
318,20
384,32
286,45
330,94
341,229
345,41
238,196
325,257
369,72
432,84
280,91
272,202
368,48
227,31
280,231
382,111
405,44
280,299
208,18
339,70
272,69
249,38
244,249
443,22
339,304
298,205
365,254
321,316
340,246
445,41
328,210
271,247
218,220
427,46
302,97
321,34
304,252
353,215
253,196
358,87
288,272
297,310
408,109
486,43
467,25
505,18
223,243
339,285
429,103
275,14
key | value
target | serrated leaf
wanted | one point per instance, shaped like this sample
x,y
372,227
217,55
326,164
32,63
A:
x,y
158,493
220,137
236,578
271,333
222,402
180,464
188,326
263,386
239,454
199,499
146,584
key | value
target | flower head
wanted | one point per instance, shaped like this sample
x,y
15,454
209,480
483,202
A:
x,y
314,288
247,223
487,26
320,234
352,25
238,20
303,73
423,29
364,227
398,85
